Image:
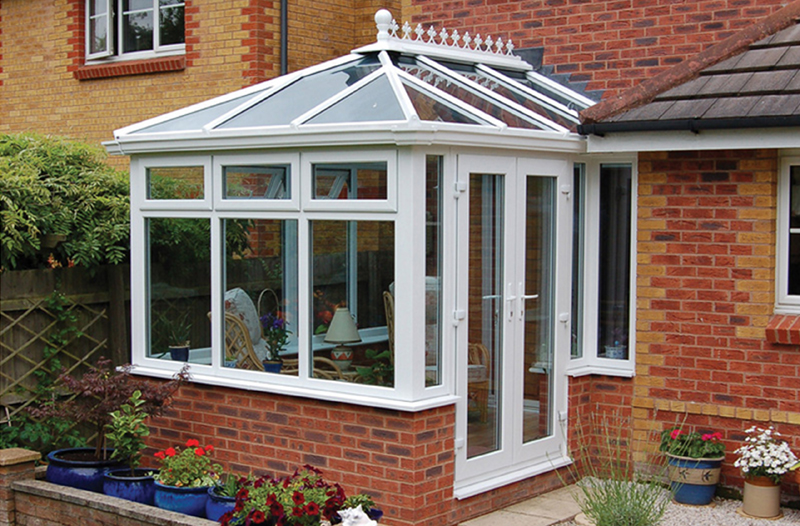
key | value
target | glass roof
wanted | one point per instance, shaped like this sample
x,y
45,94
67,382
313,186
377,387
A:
x,y
417,77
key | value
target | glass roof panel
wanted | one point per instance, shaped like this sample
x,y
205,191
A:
x,y
470,97
293,100
370,103
519,97
197,119
430,109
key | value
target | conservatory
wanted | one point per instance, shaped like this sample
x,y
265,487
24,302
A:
x,y
404,228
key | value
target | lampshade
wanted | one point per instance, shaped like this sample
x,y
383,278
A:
x,y
342,328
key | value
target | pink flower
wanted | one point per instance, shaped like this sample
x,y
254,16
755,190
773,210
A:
x,y
676,433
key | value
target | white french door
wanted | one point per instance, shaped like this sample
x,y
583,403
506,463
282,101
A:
x,y
513,251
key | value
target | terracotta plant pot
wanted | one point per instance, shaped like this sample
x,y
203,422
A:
x,y
762,498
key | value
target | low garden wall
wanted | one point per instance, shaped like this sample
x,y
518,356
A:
x,y
26,501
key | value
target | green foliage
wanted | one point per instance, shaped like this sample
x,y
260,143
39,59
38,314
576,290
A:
x,y
127,430
613,488
231,485
52,186
676,441
362,499
380,370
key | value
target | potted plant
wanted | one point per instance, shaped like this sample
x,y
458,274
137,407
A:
x,y
222,496
95,396
125,434
695,461
185,476
174,328
303,498
276,335
764,460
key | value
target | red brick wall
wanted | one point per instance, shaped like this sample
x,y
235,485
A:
x,y
706,289
405,460
611,44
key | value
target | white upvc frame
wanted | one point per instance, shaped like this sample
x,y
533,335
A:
x,y
410,392
114,36
308,160
589,362
257,160
139,168
785,303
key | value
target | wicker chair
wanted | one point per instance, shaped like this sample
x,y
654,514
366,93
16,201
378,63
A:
x,y
323,368
238,345
478,390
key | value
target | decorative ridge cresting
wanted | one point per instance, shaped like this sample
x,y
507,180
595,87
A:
x,y
388,29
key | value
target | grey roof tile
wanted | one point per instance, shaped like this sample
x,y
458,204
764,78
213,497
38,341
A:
x,y
688,109
686,89
775,106
725,84
790,35
768,81
648,112
730,108
791,58
760,58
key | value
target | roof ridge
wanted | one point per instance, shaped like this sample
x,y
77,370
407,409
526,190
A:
x,y
648,89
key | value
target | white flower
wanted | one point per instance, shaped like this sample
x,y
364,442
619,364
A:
x,y
765,453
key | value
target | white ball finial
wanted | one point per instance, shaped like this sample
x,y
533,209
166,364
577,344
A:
x,y
383,19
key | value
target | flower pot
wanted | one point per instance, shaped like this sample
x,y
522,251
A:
x,y
615,352
189,501
79,468
272,367
342,357
762,498
179,353
217,505
139,487
694,480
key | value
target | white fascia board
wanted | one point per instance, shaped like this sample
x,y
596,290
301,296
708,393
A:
x,y
355,135
656,141
464,56
326,391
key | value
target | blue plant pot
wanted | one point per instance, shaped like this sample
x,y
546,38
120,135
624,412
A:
x,y
272,367
179,354
189,501
694,480
138,488
217,505
78,468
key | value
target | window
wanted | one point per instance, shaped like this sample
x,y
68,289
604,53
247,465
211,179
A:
x,y
788,271
134,29
601,273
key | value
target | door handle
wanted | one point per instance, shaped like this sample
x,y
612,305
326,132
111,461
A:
x,y
510,298
524,297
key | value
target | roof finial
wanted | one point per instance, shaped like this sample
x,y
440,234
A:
x,y
383,19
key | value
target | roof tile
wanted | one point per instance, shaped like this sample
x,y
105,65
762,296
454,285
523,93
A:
x,y
730,108
775,105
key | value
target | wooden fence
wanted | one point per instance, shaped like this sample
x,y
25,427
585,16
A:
x,y
30,321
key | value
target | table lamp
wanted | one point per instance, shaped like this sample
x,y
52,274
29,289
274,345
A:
x,y
341,331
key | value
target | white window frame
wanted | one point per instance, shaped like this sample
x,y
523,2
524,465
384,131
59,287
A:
x,y
409,392
785,303
291,204
114,27
589,362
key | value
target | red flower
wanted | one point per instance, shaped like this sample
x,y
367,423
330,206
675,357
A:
x,y
209,448
297,512
258,517
271,499
159,455
199,452
192,443
298,498
170,452
276,509
312,508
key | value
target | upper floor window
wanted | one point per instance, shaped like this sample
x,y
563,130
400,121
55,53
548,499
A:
x,y
788,272
133,28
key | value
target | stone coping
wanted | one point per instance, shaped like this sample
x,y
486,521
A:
x,y
13,456
131,510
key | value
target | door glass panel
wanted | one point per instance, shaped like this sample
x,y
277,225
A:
x,y
538,307
485,308
794,233
433,270
578,230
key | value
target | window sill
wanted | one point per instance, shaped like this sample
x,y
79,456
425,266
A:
x,y
131,67
784,329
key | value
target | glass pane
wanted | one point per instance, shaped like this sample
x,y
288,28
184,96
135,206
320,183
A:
x,y
430,109
614,261
473,98
538,301
197,119
433,270
179,277
485,313
98,34
352,268
98,7
260,299
794,197
373,102
175,182
349,181
136,5
137,31
578,232
794,264
256,182
171,25
300,96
